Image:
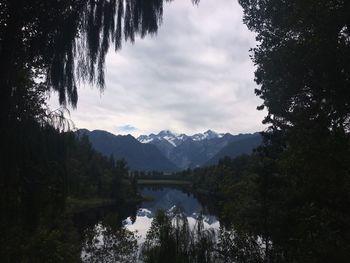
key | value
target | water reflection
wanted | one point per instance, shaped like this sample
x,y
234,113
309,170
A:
x,y
104,243
104,239
168,199
116,234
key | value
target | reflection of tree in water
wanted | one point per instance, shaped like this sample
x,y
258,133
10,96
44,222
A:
x,y
171,240
239,247
107,242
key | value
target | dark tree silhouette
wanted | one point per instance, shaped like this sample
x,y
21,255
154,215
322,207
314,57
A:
x,y
50,46
67,41
303,70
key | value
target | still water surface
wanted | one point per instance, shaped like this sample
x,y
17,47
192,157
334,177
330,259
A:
x,y
106,231
169,198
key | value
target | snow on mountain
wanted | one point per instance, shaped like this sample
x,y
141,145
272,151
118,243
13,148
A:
x,y
144,139
199,149
176,139
171,140
198,137
208,135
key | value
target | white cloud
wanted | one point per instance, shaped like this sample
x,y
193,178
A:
x,y
126,129
194,75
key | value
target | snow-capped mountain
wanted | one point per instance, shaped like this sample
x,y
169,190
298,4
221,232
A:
x,y
139,156
189,151
165,135
208,135
168,151
176,139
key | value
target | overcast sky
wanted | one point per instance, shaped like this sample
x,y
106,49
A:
x,y
194,75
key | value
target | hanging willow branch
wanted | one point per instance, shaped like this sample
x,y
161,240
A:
x,y
86,33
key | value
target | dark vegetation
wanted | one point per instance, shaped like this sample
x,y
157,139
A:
x,y
61,178
171,238
52,46
303,174
292,193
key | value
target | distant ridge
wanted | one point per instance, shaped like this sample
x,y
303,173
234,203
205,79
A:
x,y
176,139
139,156
236,148
170,152
189,151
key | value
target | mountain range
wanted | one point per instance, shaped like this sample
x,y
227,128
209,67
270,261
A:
x,y
139,156
168,151
201,149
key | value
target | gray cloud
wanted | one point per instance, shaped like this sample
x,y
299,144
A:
x,y
195,74
126,129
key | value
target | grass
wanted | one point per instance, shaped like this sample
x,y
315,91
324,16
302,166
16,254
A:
x,y
75,205
162,182
147,198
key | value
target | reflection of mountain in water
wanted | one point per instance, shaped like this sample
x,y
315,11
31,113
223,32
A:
x,y
209,219
167,198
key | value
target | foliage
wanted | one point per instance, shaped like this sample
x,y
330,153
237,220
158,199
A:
x,y
45,46
91,174
239,247
293,191
55,165
105,243
66,41
171,238
303,72
292,194
272,216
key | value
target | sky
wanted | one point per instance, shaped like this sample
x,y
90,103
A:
x,y
194,75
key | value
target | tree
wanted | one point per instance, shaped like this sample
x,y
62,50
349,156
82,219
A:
x,y
303,65
303,70
53,45
67,41
50,46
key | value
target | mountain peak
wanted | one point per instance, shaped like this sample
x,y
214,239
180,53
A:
x,y
175,139
210,133
167,136
139,156
166,133
166,150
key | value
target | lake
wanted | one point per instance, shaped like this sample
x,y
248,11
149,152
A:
x,y
113,231
169,198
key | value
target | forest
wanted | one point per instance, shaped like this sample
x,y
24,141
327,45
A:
x,y
292,194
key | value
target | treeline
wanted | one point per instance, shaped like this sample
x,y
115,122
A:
x,y
293,219
298,199
210,180
48,46
171,237
159,175
54,173
91,174
293,192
